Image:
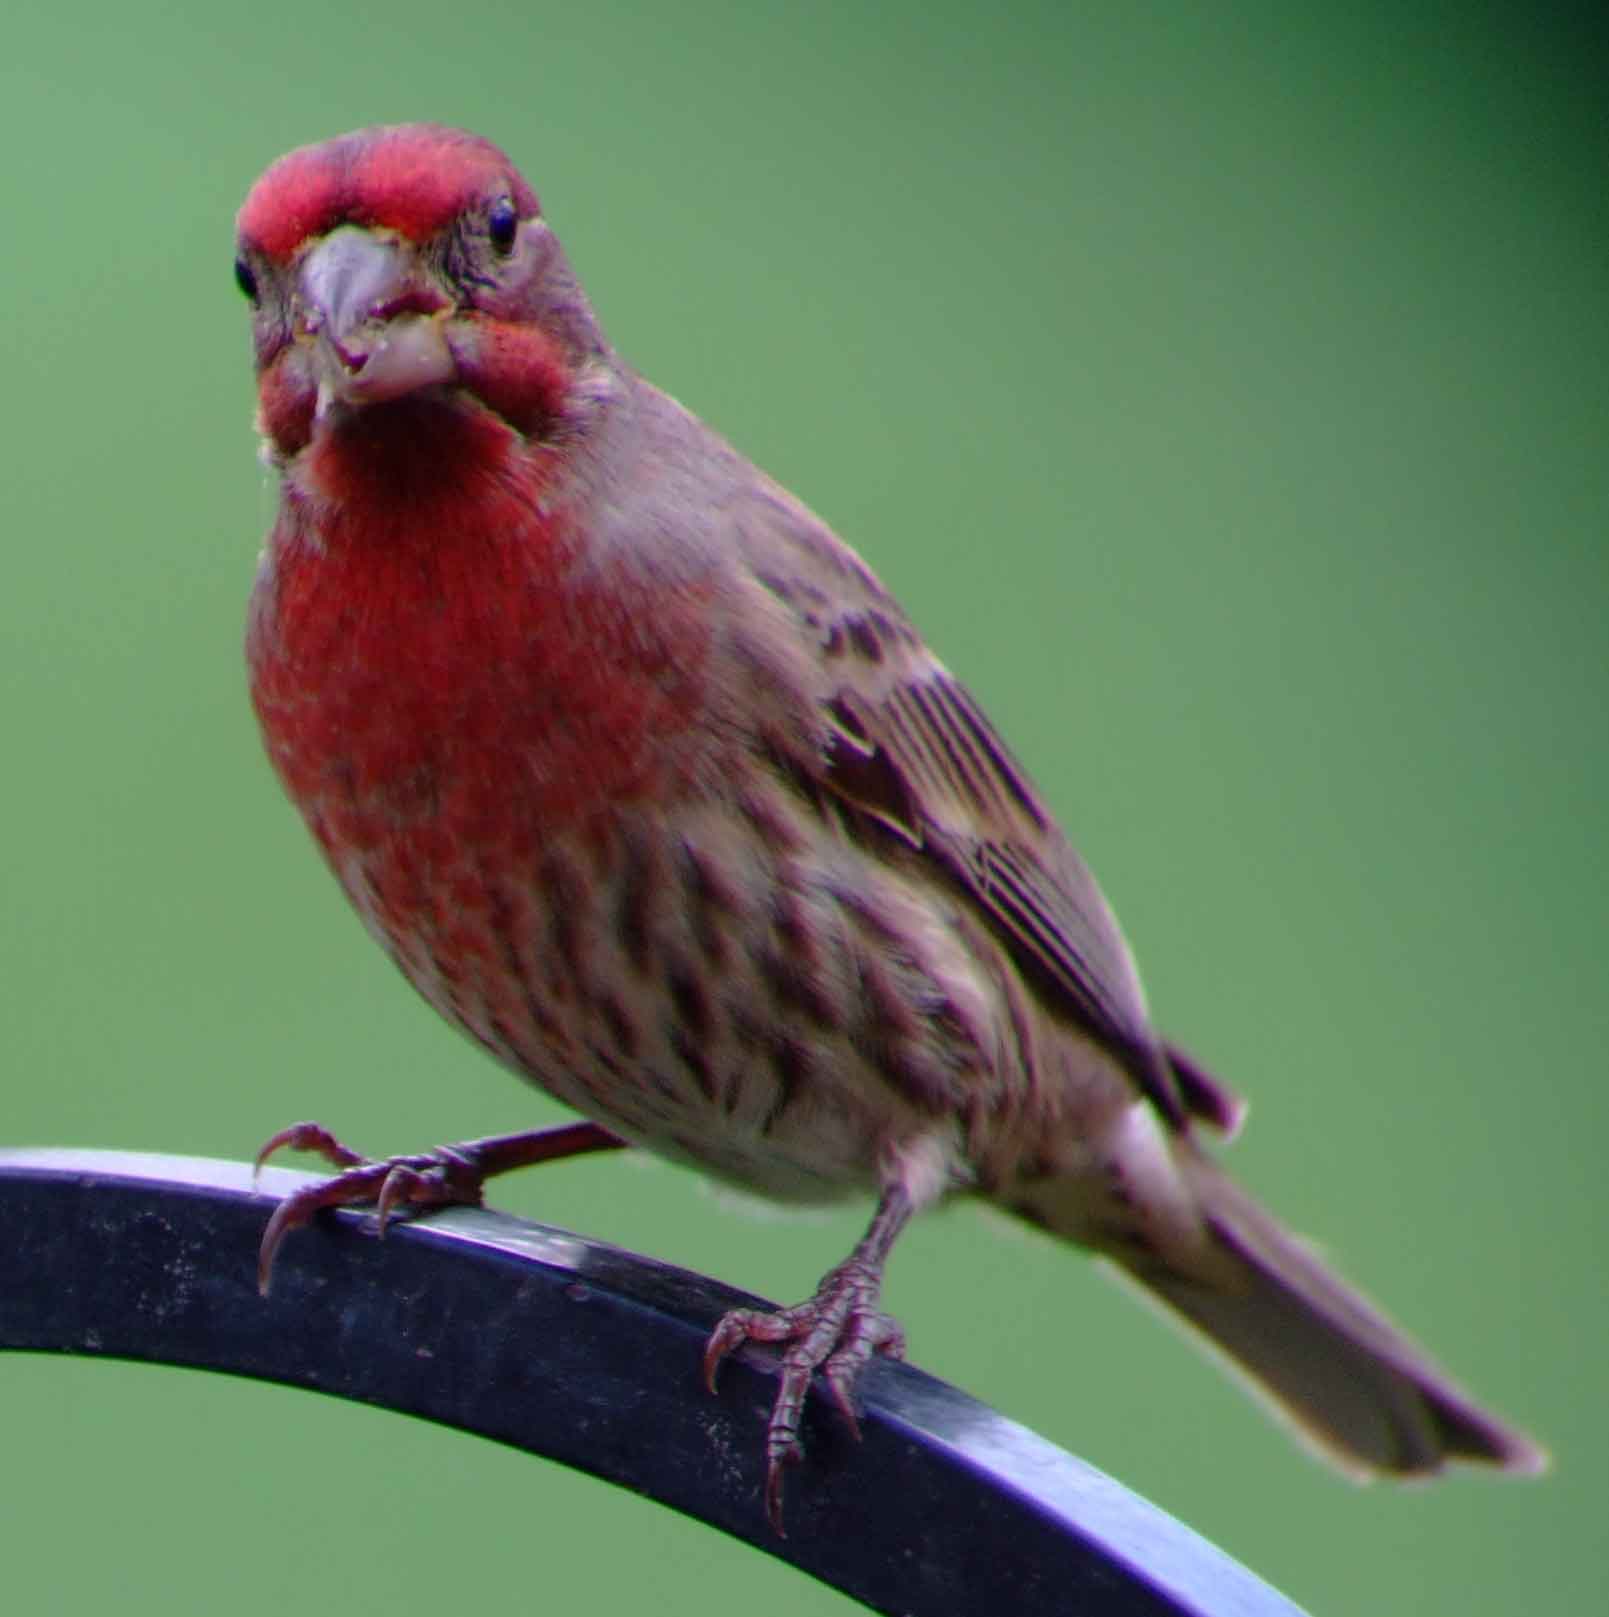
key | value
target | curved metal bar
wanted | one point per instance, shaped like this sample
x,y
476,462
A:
x,y
588,1355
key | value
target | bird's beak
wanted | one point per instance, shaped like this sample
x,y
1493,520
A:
x,y
374,318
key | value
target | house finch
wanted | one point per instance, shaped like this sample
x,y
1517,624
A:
x,y
649,786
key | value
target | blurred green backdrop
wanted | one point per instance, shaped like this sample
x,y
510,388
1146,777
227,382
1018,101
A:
x,y
1226,390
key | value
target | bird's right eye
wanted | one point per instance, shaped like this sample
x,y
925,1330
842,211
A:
x,y
245,279
502,225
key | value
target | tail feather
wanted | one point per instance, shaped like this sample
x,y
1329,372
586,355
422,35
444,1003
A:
x,y
1328,1359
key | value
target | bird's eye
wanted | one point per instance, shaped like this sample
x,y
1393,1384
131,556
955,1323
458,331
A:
x,y
502,225
245,279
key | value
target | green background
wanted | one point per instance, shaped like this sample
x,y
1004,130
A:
x,y
1226,391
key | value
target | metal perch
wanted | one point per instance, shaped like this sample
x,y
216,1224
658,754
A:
x,y
586,1354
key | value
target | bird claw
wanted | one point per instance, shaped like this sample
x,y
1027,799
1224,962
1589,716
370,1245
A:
x,y
312,1137
449,1176
837,1331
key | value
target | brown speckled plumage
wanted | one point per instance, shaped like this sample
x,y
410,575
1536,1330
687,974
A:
x,y
646,782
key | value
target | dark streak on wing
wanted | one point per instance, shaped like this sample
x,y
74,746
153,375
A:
x,y
1016,865
910,750
1208,1098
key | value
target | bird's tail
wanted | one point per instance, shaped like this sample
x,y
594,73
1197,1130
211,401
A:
x,y
1330,1361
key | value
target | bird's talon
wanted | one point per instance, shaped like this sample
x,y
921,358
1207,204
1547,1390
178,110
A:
x,y
397,1189
841,1387
312,1137
726,1338
836,1332
449,1175
773,1498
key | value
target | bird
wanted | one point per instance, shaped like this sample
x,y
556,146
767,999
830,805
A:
x,y
648,785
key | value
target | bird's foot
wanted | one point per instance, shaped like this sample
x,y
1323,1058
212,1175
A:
x,y
449,1176
837,1331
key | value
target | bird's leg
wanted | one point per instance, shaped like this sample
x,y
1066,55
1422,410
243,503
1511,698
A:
x,y
837,1331
451,1175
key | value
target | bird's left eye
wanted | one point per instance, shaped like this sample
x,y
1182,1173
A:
x,y
245,279
502,225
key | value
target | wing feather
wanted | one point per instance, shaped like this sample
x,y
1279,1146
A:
x,y
909,748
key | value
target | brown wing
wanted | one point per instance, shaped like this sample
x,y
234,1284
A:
x,y
909,749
